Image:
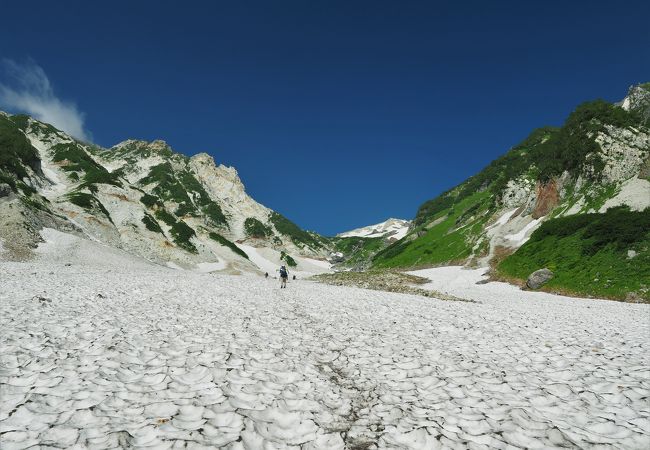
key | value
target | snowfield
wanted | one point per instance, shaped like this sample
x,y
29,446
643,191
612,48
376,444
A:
x,y
102,350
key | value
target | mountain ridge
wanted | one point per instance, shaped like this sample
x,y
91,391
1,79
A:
x,y
599,159
142,197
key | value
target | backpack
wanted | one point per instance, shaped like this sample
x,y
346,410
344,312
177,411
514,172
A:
x,y
283,272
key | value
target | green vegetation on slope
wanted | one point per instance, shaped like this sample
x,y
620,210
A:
x,y
135,151
357,250
183,188
16,153
449,240
588,253
74,160
544,154
288,259
88,202
297,235
152,224
256,229
181,232
231,245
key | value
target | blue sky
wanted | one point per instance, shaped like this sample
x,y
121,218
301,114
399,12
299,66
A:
x,y
336,114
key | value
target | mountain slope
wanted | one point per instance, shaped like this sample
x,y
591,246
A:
x,y
599,159
138,196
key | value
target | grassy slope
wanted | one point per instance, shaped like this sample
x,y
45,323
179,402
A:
x,y
444,242
357,250
588,254
545,154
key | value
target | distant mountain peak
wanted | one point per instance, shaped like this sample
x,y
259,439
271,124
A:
x,y
392,229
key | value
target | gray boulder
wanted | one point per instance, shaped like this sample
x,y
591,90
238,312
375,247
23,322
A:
x,y
5,190
538,278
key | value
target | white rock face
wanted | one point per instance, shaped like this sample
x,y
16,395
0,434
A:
x,y
392,229
518,192
224,186
624,152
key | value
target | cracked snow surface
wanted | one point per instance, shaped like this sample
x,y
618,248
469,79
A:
x,y
143,356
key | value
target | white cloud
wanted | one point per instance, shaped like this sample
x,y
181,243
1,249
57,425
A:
x,y
26,88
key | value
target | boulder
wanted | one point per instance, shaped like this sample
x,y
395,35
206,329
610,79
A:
x,y
5,190
538,278
336,257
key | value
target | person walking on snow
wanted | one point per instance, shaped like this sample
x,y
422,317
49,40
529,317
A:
x,y
284,274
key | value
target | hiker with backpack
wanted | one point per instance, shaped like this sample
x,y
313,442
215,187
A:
x,y
284,275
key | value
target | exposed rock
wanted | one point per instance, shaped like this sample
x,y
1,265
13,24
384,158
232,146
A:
x,y
5,190
336,257
538,278
384,280
633,297
517,193
547,198
631,254
644,171
638,99
624,152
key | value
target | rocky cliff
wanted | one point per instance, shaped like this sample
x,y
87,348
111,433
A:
x,y
138,196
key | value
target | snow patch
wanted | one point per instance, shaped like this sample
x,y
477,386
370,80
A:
x,y
634,193
211,266
268,260
522,236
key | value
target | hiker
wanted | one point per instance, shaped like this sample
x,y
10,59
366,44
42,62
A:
x,y
284,274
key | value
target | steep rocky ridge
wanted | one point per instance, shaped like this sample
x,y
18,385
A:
x,y
138,196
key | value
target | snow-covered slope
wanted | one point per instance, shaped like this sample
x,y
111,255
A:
x,y
100,349
392,229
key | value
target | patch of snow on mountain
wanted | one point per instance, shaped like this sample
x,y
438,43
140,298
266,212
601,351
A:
x,y
211,266
634,193
392,228
522,236
268,260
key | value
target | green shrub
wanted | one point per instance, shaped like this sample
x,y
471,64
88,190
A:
x,y
152,224
288,259
294,232
214,213
150,201
256,229
99,175
181,232
163,215
16,152
21,121
88,202
231,245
